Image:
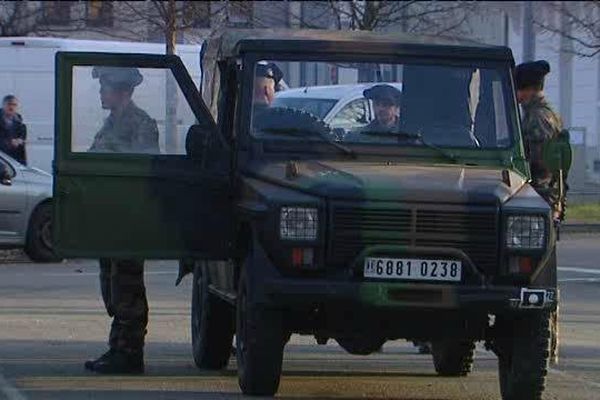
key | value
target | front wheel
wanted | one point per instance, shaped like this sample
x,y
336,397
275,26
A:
x,y
523,355
212,324
39,245
453,357
260,340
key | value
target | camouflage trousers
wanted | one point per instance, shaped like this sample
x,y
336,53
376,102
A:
x,y
124,295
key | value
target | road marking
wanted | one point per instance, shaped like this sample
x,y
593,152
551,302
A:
x,y
582,270
8,390
576,378
588,280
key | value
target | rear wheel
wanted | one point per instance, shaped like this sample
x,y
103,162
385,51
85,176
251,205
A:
x,y
260,340
212,324
39,245
523,355
453,357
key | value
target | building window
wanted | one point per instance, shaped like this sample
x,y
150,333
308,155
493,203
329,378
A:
x,y
99,13
57,12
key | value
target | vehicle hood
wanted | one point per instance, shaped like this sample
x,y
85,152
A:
x,y
392,182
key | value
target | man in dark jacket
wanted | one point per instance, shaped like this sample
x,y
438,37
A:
x,y
13,131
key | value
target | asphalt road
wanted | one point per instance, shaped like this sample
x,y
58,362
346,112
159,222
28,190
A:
x,y
52,319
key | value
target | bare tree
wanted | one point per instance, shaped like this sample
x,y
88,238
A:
x,y
18,18
432,17
577,21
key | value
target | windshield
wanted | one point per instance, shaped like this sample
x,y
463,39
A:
x,y
383,104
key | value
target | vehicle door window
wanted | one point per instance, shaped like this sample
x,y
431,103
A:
x,y
353,115
128,110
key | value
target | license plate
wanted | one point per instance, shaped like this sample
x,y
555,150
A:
x,y
413,269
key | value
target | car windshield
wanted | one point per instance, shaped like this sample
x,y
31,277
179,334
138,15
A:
x,y
412,104
317,107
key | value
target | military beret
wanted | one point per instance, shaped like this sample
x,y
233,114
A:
x,y
269,70
531,74
383,92
118,77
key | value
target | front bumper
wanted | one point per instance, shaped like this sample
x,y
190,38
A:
x,y
305,292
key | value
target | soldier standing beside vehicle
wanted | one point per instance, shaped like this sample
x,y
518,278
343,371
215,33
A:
x,y
128,129
540,124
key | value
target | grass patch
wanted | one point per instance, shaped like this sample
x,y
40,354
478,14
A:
x,y
589,213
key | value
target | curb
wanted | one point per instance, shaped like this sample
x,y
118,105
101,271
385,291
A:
x,y
580,228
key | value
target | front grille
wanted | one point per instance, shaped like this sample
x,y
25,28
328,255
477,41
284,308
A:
x,y
472,230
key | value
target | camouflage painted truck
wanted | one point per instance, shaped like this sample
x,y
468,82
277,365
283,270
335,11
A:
x,y
428,232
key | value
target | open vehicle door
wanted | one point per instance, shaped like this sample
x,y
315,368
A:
x,y
117,198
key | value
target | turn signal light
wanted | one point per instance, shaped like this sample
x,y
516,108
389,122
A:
x,y
303,257
520,265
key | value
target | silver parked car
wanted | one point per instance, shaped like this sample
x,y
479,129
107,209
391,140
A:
x,y
26,209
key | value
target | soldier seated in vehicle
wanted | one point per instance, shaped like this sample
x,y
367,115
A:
x,y
386,105
266,80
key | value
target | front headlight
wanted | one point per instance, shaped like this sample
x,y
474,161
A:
x,y
298,223
525,232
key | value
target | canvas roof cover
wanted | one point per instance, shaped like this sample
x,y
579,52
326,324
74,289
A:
x,y
230,42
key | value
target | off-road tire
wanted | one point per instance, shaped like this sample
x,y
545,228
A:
x,y
453,357
39,245
260,340
212,324
523,355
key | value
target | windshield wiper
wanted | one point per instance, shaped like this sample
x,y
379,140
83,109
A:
x,y
416,136
398,134
322,136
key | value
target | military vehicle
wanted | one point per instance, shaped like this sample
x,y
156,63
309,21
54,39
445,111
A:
x,y
428,232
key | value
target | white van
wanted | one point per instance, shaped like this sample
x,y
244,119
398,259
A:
x,y
27,71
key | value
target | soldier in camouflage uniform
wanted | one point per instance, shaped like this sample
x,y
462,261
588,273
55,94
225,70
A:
x,y
128,129
540,124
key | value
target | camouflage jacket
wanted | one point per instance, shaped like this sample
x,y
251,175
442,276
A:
x,y
133,131
540,124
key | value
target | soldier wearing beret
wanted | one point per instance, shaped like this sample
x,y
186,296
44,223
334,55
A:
x,y
267,80
386,104
540,124
128,129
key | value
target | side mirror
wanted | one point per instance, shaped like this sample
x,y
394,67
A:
x,y
196,141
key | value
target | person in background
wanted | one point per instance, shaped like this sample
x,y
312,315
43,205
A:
x,y
13,131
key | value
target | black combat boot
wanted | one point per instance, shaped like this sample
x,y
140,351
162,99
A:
x,y
118,362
